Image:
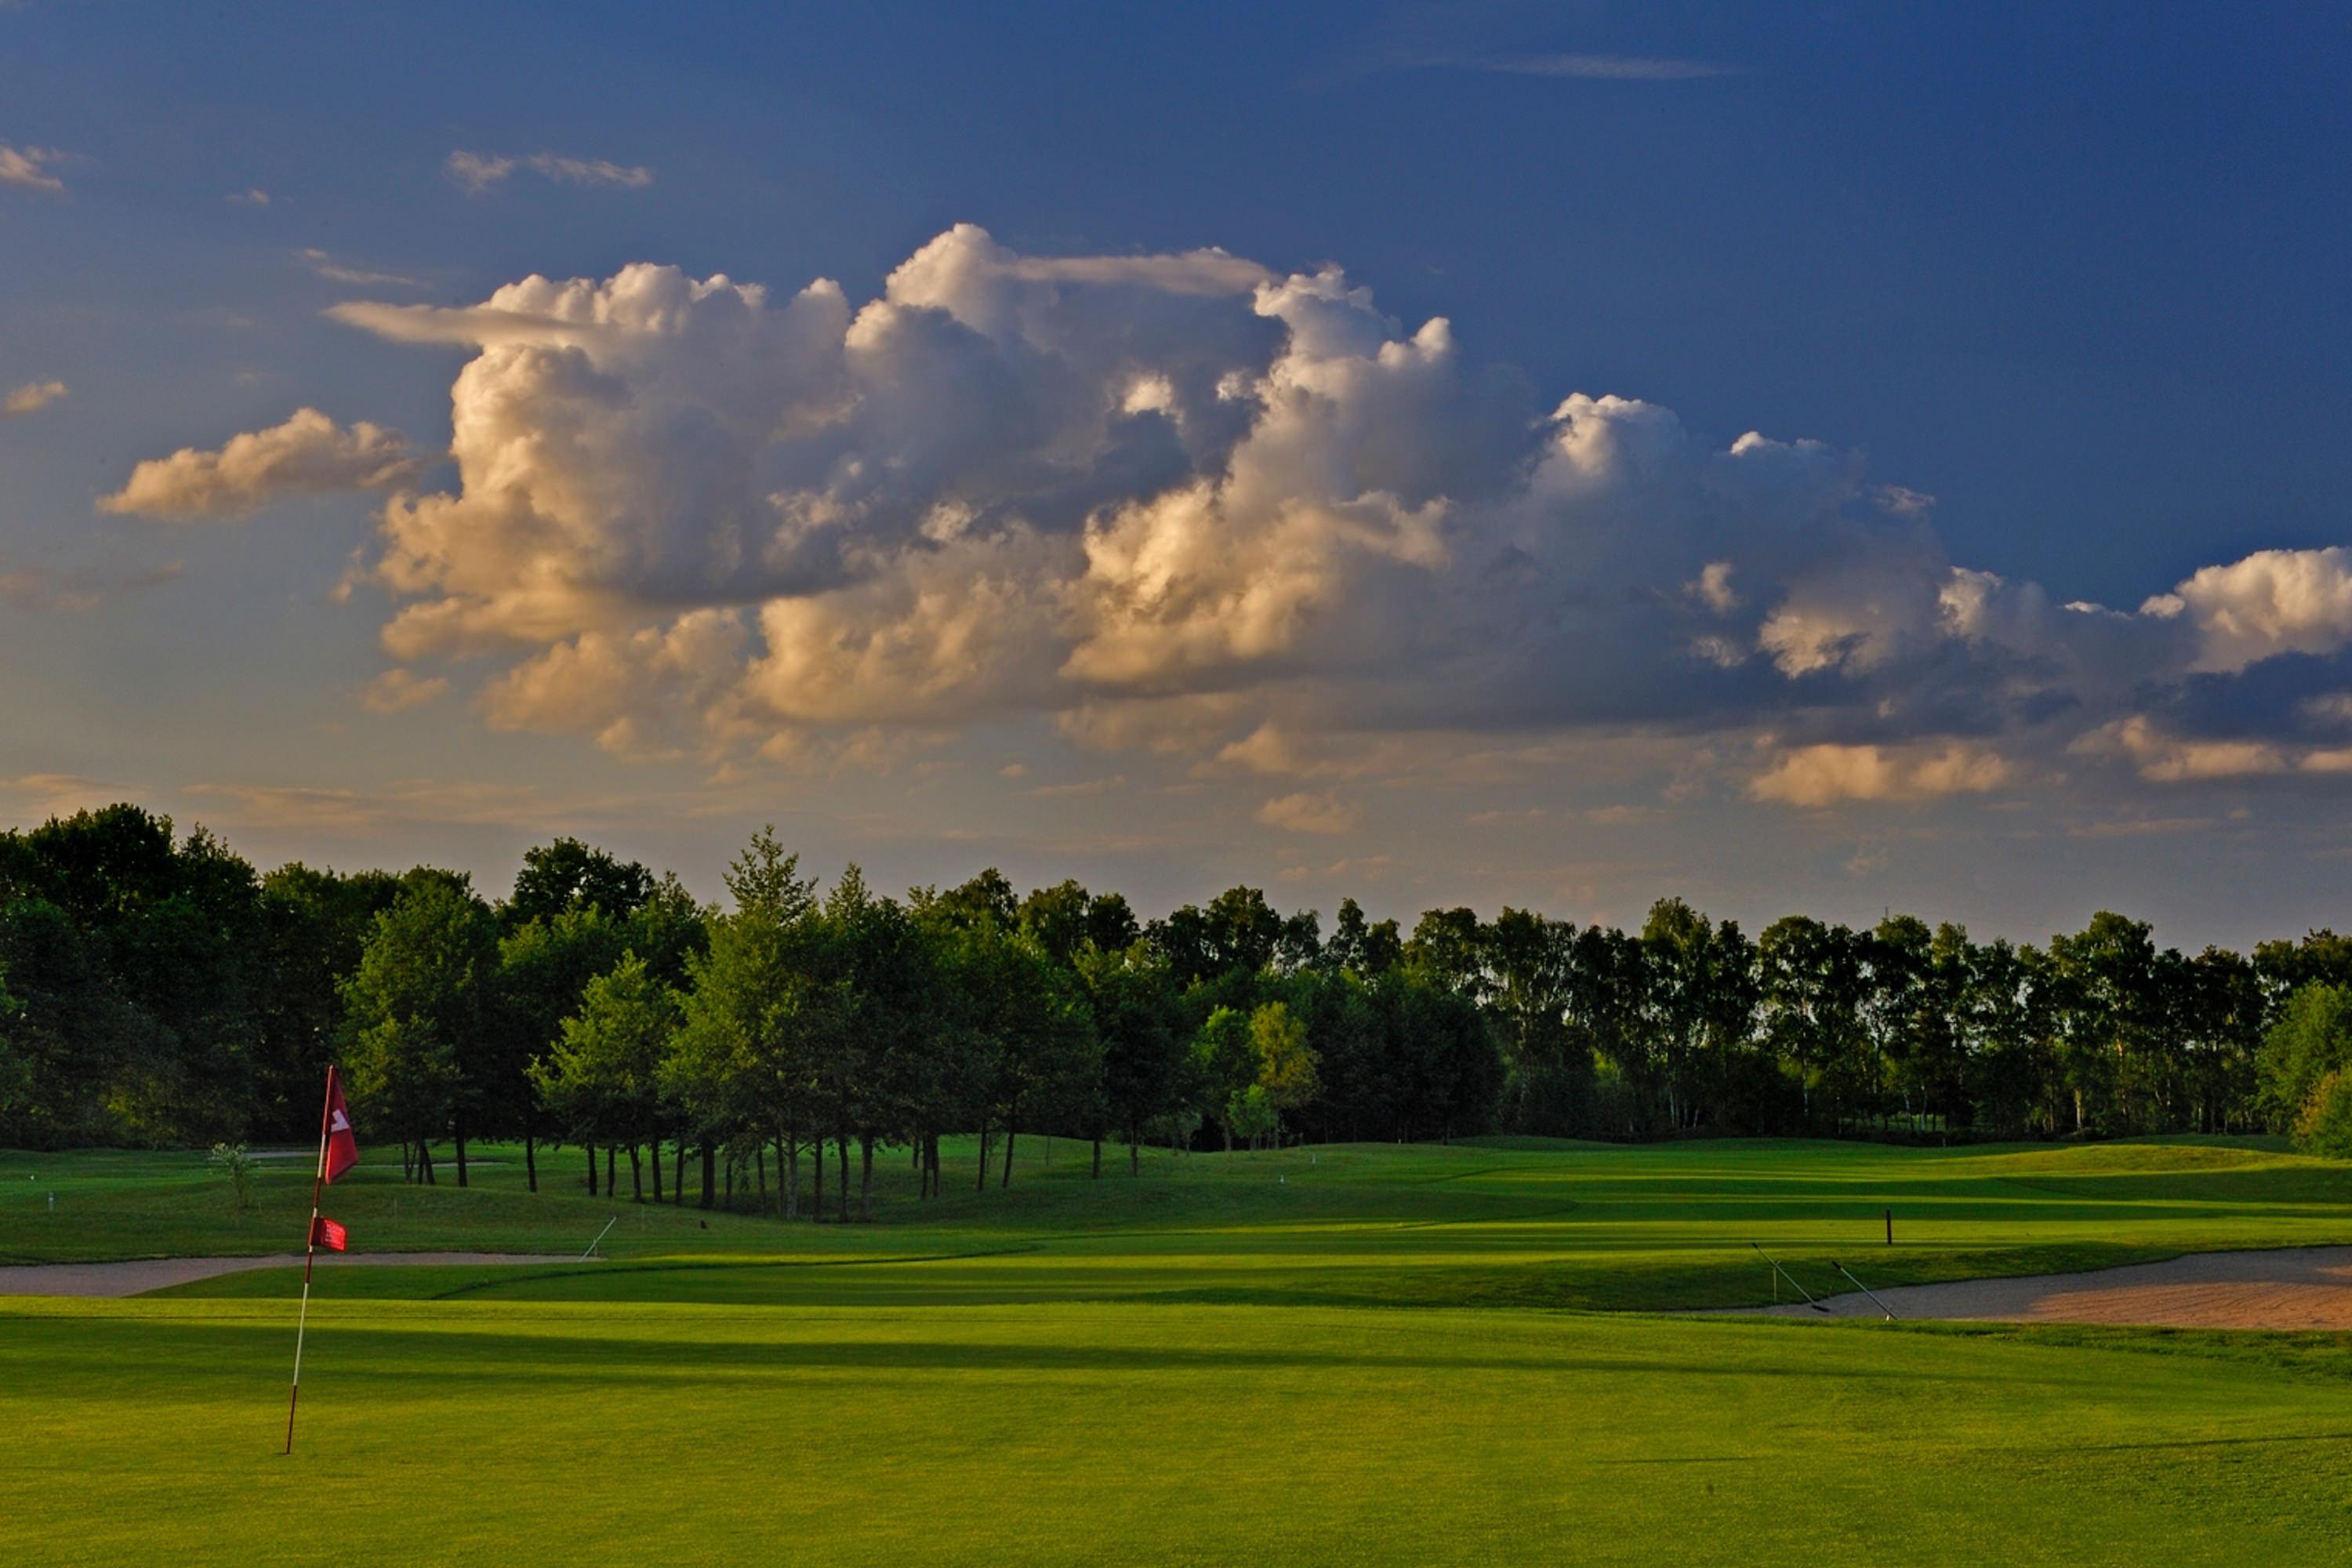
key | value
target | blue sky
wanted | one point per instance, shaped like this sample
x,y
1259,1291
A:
x,y
2058,293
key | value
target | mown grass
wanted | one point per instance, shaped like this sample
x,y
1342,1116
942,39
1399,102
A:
x,y
1468,1225
477,1432
1228,1358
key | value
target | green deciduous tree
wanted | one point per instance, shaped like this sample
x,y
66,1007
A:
x,y
2311,1041
1250,1115
602,1078
418,1006
1132,996
569,874
743,1066
1286,1064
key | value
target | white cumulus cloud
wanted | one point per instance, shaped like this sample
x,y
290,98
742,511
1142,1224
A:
x,y
1188,502
2163,757
1829,774
31,397
2269,603
308,455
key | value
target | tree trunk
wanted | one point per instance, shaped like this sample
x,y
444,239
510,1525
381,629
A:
x,y
1009,1131
793,1174
710,1169
762,1159
530,1160
592,1170
841,1141
816,1188
461,1159
1134,1154
637,1176
612,1187
865,1180
425,1163
407,1161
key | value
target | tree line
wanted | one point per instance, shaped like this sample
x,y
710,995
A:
x,y
155,989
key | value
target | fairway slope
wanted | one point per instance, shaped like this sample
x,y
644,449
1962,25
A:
x,y
137,1276
1526,1222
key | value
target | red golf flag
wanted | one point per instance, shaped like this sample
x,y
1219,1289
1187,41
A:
x,y
341,1149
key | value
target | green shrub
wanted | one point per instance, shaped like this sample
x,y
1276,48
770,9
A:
x,y
232,1160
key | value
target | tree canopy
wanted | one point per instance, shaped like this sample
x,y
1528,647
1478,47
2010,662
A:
x,y
155,989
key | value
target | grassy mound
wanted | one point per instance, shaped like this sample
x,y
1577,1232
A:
x,y
1574,1225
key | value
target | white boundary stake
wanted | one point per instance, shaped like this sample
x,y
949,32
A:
x,y
598,1241
1791,1278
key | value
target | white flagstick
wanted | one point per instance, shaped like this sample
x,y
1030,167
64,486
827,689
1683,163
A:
x,y
309,1252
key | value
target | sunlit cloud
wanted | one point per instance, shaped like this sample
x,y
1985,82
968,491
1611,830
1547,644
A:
x,y
1310,813
27,169
33,588
308,455
36,797
1192,506
2165,758
329,267
397,691
1826,774
31,397
370,812
477,173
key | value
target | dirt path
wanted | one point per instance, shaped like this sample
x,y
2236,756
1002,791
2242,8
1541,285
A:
x,y
137,1275
2288,1287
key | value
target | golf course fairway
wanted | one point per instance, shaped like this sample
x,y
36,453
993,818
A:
x,y
1369,1354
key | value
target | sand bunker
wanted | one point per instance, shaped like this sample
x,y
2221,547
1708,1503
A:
x,y
2289,1287
132,1276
